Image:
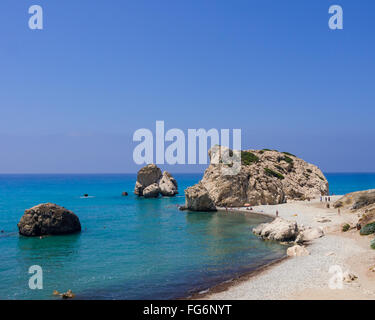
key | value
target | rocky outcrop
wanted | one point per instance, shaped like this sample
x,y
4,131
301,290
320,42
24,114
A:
x,y
309,234
48,219
147,176
151,182
361,203
297,251
168,185
278,230
198,199
357,200
287,231
264,177
151,191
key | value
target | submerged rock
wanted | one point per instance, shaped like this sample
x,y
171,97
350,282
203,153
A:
x,y
151,183
264,177
278,230
48,219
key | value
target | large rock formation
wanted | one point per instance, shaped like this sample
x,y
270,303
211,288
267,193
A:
x,y
265,177
48,219
151,182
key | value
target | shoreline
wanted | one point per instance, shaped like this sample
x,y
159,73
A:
x,y
307,277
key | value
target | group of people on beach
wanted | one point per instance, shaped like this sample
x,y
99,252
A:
x,y
326,199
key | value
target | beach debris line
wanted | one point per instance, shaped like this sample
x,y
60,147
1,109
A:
x,y
48,219
151,183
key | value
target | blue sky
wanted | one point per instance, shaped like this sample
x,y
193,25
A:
x,y
72,95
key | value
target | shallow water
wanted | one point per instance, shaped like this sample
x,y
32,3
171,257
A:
x,y
129,248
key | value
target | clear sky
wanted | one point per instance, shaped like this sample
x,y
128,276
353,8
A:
x,y
72,95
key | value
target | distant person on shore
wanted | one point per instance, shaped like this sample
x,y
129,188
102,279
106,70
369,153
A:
x,y
338,211
321,198
329,199
277,213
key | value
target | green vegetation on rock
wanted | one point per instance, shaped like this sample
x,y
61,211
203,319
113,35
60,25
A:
x,y
372,244
247,158
289,154
368,229
287,159
272,173
345,227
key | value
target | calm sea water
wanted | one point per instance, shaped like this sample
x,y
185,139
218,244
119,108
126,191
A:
x,y
129,248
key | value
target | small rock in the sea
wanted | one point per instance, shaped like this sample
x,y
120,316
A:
x,y
56,293
85,195
124,194
349,276
2,231
68,295
297,251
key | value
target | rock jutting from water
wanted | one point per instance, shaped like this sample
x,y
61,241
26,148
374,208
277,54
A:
x,y
48,219
265,177
151,182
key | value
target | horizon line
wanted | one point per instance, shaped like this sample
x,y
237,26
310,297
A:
x,y
107,173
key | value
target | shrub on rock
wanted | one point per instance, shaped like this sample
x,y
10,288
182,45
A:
x,y
368,229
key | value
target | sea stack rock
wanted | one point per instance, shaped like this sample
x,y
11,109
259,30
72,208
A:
x,y
48,219
168,185
151,182
264,177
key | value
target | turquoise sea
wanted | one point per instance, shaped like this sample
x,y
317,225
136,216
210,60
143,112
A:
x,y
130,248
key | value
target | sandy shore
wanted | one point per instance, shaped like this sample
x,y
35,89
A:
x,y
309,277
